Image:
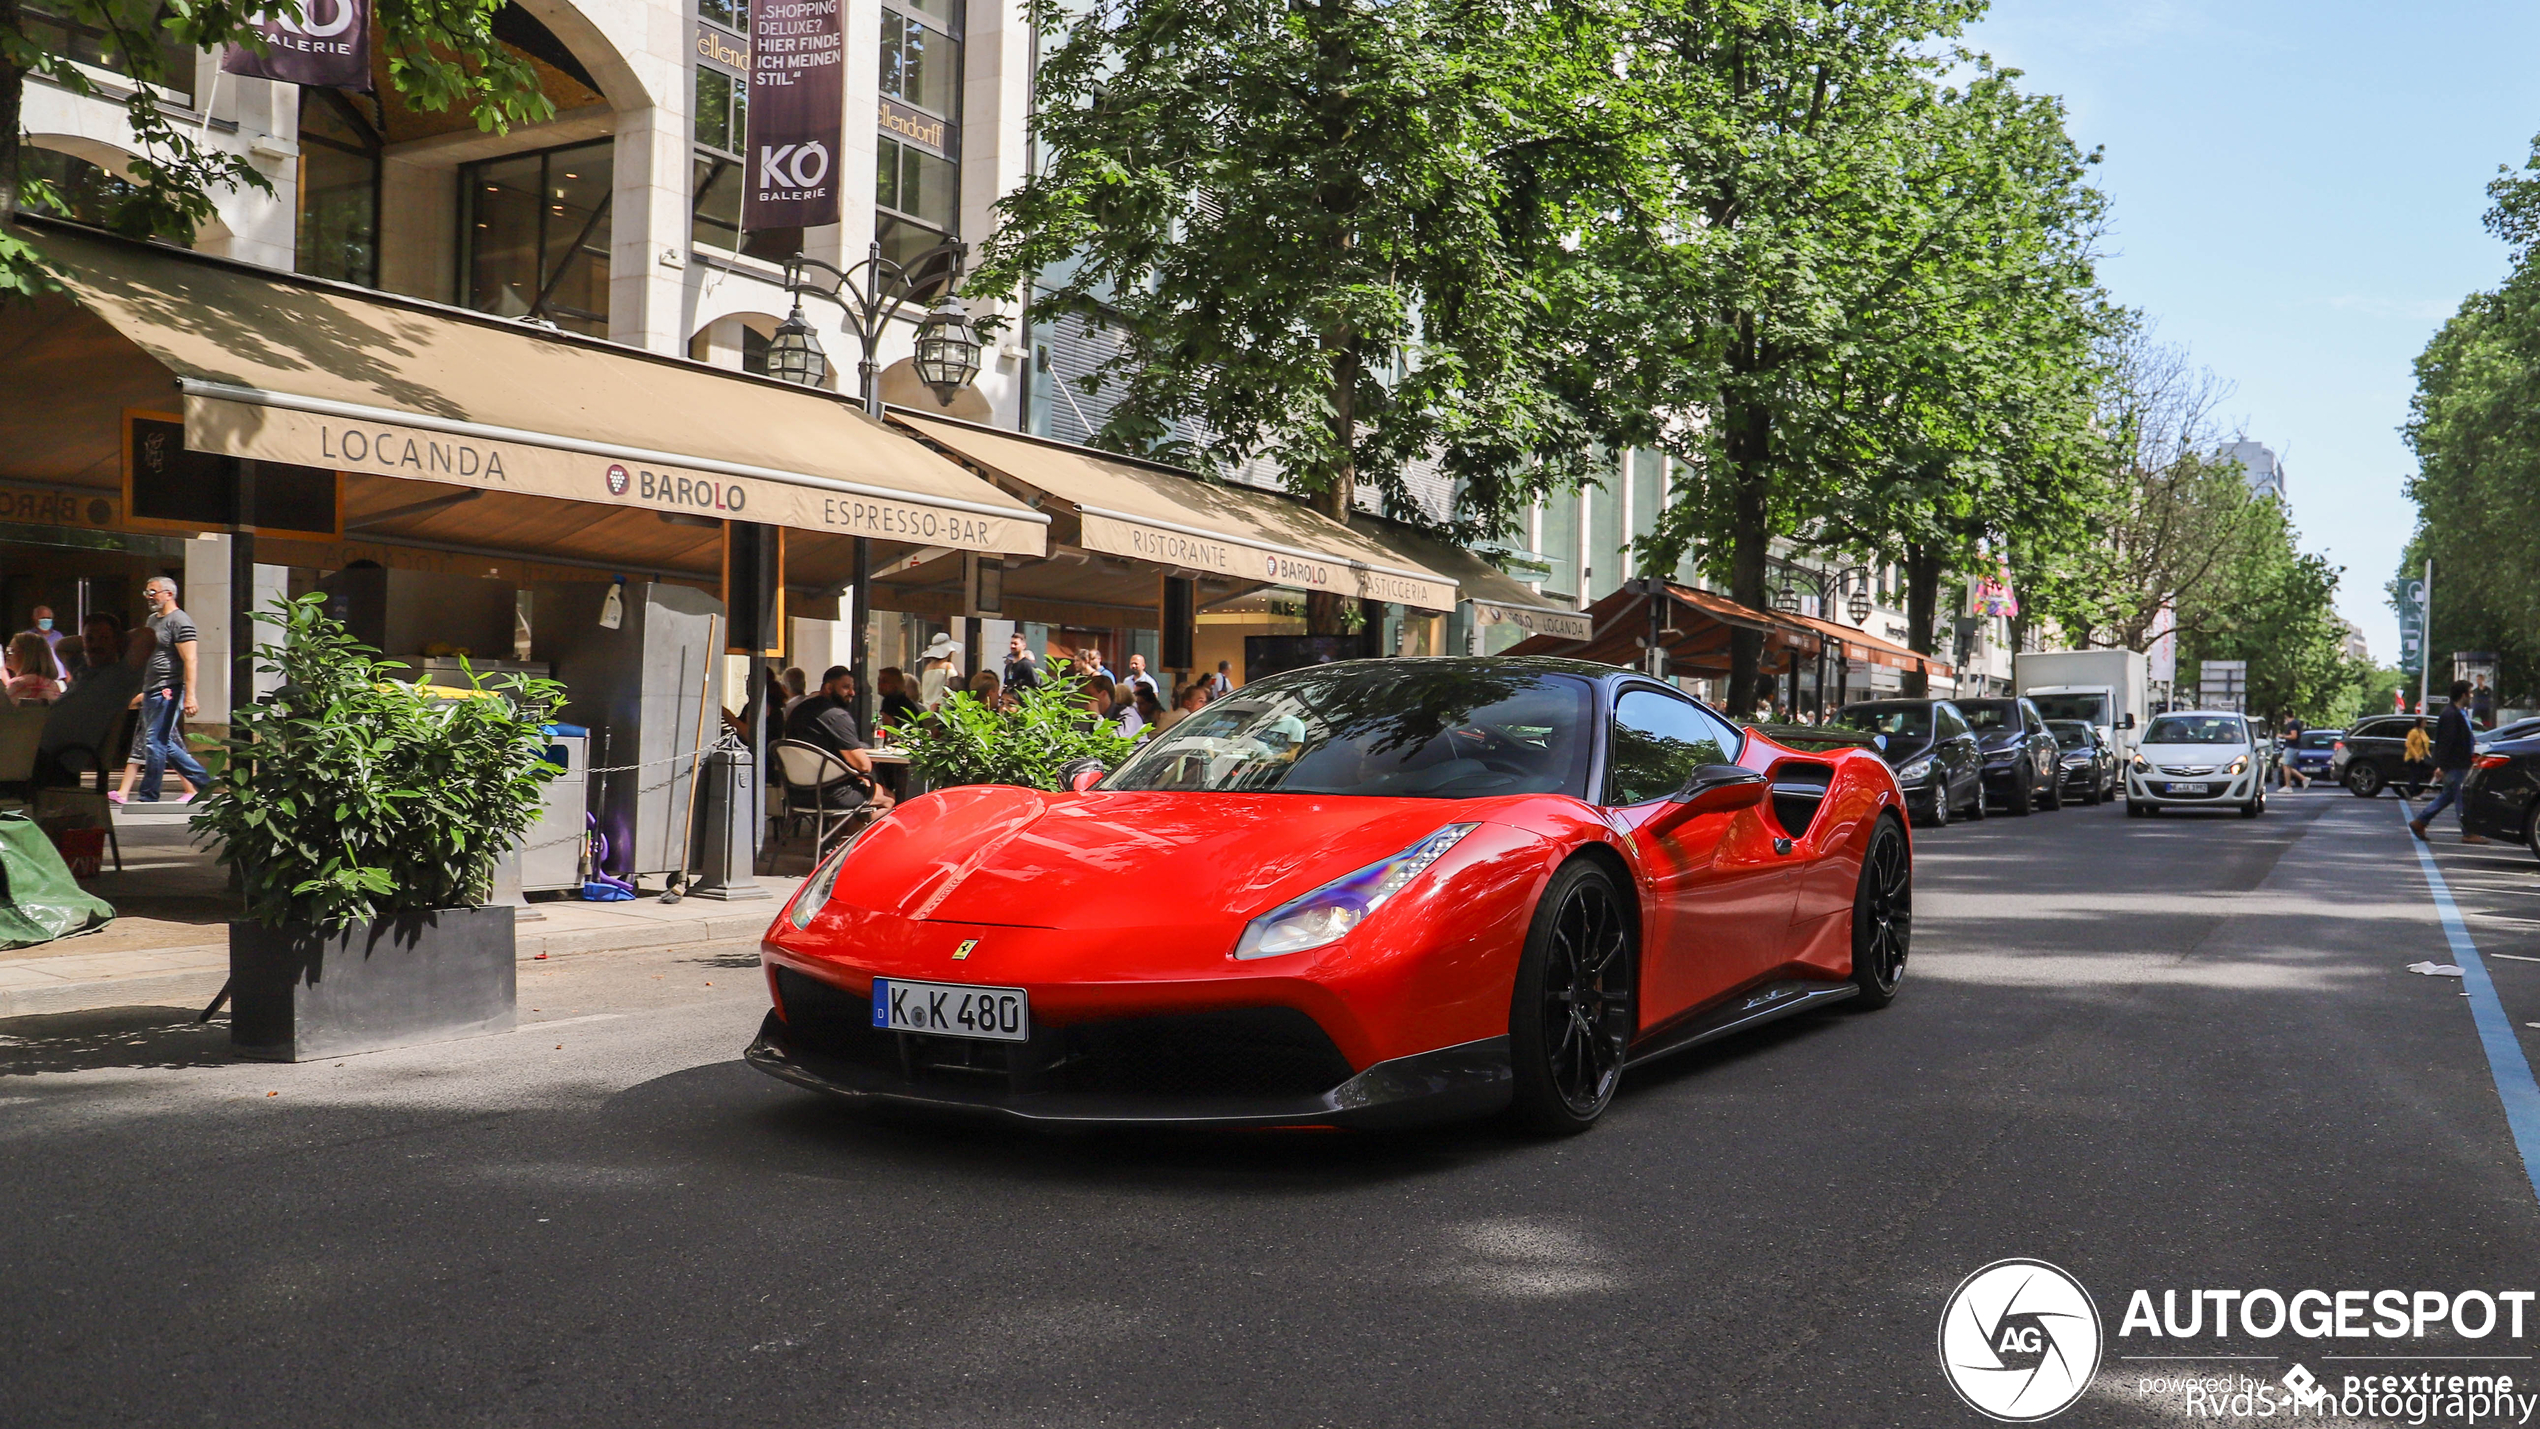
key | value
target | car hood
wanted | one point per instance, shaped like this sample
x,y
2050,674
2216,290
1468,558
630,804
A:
x,y
993,854
1900,753
2004,739
2217,755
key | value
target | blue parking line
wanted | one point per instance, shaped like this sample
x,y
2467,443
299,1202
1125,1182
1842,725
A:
x,y
2505,1062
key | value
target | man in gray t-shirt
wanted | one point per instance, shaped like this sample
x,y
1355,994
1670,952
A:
x,y
167,699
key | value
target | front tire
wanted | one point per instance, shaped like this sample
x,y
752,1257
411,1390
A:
x,y
2055,793
1883,916
1939,817
2023,799
1570,1020
1975,808
2364,780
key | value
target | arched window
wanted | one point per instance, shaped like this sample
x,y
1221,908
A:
x,y
82,190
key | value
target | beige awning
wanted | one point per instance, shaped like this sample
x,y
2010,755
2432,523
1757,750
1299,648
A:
x,y
288,369
1497,597
1127,508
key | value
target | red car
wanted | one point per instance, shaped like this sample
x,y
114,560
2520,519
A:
x,y
1360,894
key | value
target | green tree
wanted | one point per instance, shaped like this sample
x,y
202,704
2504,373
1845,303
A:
x,y
1319,228
2274,606
1858,285
441,53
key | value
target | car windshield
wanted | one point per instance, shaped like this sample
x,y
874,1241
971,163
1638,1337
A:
x,y
2069,733
1901,722
2089,709
1990,716
2318,739
1427,729
2196,729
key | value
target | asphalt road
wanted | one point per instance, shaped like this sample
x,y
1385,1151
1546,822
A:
x,y
2174,1053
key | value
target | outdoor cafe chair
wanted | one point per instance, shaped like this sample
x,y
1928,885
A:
x,y
805,770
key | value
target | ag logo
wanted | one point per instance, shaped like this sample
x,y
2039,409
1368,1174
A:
x,y
2019,1340
618,478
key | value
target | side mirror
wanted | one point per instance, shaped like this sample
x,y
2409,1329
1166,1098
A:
x,y
1081,775
1881,741
1711,789
2126,720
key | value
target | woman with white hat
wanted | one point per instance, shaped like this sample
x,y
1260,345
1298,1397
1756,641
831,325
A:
x,y
935,670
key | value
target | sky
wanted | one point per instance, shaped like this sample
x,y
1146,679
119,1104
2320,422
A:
x,y
2295,192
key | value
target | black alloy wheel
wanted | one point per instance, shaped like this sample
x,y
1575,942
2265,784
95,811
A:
x,y
2023,795
1939,817
1883,916
1975,806
2055,789
2363,780
1571,1020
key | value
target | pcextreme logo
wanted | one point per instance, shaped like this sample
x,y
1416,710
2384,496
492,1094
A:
x,y
2019,1341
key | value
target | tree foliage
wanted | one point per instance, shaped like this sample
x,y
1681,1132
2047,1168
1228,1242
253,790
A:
x,y
440,53
1859,304
1025,740
350,796
1319,228
2475,426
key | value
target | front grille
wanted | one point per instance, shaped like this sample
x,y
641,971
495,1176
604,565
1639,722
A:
x,y
2189,771
1240,1052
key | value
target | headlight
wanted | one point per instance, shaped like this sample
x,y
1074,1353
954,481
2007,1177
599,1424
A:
x,y
2239,766
1328,913
1915,772
815,894
2075,761
2141,765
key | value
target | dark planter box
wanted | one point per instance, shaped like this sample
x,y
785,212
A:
x,y
297,994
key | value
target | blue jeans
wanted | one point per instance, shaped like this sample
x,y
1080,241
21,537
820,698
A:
x,y
2448,798
163,727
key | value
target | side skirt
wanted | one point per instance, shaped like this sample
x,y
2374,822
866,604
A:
x,y
1753,1008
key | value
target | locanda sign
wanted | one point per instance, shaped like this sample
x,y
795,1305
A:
x,y
388,449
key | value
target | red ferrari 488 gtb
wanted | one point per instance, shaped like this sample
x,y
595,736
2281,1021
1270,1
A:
x,y
1360,894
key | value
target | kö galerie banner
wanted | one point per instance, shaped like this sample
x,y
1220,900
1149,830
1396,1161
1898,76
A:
x,y
798,86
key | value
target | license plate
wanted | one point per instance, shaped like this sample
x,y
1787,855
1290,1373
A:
x,y
2191,788
952,1009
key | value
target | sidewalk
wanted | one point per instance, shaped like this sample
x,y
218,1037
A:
x,y
170,939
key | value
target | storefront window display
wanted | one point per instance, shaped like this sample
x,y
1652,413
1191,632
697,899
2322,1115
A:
x,y
535,229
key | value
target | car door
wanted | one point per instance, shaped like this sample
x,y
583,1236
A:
x,y
2041,748
1965,766
2384,742
1715,891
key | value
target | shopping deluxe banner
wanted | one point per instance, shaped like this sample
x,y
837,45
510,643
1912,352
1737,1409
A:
x,y
798,91
328,45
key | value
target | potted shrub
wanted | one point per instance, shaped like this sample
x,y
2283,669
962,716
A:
x,y
1028,737
363,817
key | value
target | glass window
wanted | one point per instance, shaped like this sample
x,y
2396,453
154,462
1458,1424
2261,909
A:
x,y
1951,723
338,233
2069,734
921,65
1659,740
2196,729
84,191
536,233
1560,544
733,15
1649,480
1911,722
55,33
1442,731
722,112
1608,567
912,182
1990,716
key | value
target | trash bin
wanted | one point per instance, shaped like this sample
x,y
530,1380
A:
x,y
727,825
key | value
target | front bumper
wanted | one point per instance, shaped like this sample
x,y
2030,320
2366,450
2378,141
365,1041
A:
x,y
2155,790
1049,1081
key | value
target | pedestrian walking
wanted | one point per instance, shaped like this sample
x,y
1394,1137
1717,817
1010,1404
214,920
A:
x,y
167,701
2287,773
2455,749
1022,672
2416,759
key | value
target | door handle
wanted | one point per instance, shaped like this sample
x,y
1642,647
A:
x,y
1781,845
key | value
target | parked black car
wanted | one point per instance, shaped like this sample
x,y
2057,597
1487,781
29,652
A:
x,y
2519,729
2501,796
1934,754
2088,762
2372,756
2021,762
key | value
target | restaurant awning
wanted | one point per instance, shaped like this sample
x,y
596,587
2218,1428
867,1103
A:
x,y
1120,507
293,370
1863,648
1696,632
1497,597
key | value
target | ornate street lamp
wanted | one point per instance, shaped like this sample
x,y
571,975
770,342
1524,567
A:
x,y
873,292
1858,607
794,354
947,351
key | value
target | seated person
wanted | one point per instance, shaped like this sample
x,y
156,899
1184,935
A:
x,y
82,722
827,720
31,670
